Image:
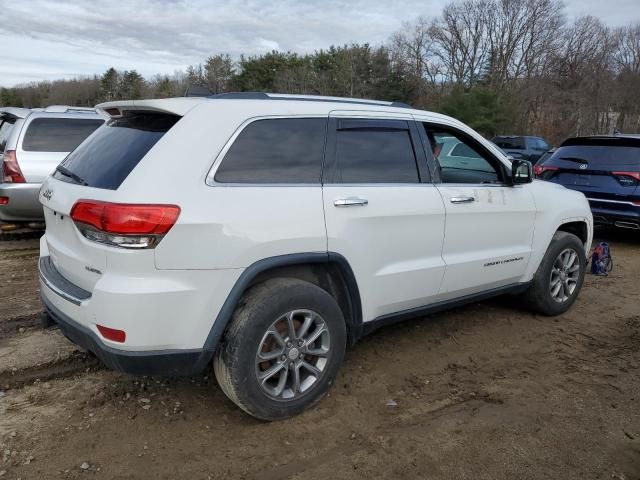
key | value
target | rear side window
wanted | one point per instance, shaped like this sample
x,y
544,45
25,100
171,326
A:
x,y
6,125
371,153
282,150
105,159
58,134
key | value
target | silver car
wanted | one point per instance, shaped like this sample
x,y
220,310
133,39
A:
x,y
37,141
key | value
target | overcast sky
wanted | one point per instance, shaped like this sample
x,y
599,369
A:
x,y
49,39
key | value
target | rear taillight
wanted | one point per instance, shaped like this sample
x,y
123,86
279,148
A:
x,y
124,225
627,179
543,172
11,169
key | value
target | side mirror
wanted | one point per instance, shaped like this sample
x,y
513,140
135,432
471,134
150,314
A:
x,y
521,171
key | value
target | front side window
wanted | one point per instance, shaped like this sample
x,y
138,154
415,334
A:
x,y
461,160
58,134
278,150
374,151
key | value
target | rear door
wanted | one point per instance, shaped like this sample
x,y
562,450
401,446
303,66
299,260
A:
x,y
489,226
46,140
382,211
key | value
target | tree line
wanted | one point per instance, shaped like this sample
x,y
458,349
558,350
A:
x,y
502,66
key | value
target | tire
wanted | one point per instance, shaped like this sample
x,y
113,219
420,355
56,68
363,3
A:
x,y
260,326
539,297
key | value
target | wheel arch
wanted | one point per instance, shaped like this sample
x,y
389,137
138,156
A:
x,y
330,271
578,228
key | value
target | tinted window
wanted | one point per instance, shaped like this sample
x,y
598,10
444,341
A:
x,y
58,134
283,150
6,125
375,155
105,159
460,160
510,143
603,157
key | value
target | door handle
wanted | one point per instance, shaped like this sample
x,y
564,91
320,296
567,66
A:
x,y
350,202
462,199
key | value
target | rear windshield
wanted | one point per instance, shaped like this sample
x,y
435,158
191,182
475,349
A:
x,y
58,134
6,125
597,156
511,143
105,159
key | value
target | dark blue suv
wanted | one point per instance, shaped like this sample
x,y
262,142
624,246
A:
x,y
606,169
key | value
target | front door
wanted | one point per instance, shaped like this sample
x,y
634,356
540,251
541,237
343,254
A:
x,y
382,211
489,226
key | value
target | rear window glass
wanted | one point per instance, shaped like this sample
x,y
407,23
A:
x,y
513,143
6,125
285,150
105,159
597,155
58,134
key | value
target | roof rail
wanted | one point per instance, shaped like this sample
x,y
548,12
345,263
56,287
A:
x,y
67,109
306,98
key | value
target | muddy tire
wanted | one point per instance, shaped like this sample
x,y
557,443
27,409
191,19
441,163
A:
x,y
560,276
282,349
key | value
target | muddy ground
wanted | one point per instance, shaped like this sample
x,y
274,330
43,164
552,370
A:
x,y
485,391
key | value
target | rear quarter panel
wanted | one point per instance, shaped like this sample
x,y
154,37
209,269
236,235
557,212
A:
x,y
223,226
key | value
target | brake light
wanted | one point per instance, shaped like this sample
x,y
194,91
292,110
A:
x,y
634,175
539,170
11,169
4,200
122,224
112,334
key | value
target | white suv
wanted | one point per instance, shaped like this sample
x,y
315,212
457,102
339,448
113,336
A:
x,y
266,233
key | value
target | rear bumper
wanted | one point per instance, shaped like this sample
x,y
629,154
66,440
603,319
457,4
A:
x,y
148,327
167,363
610,215
23,205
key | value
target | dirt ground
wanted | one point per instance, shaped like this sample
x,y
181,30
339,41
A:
x,y
482,392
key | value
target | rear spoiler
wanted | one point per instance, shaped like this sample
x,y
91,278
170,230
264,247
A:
x,y
605,141
175,106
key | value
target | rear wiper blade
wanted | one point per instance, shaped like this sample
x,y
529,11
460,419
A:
x,y
575,159
73,176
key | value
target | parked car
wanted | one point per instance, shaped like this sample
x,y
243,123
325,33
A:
x,y
39,140
606,169
265,233
522,147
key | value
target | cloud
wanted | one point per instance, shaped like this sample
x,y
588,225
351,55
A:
x,y
46,39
